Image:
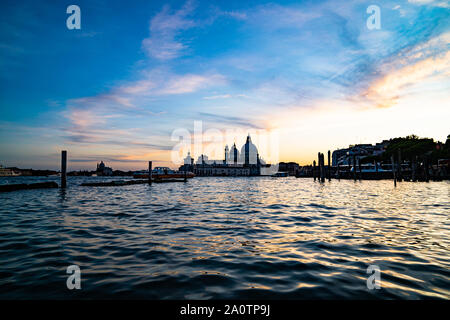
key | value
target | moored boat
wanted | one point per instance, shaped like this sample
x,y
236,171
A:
x,y
280,174
371,168
5,172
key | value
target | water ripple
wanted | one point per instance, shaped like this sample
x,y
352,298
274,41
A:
x,y
225,238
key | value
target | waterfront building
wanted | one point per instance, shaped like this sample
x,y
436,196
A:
x,y
227,156
221,170
233,155
244,163
203,159
103,170
359,151
188,159
292,168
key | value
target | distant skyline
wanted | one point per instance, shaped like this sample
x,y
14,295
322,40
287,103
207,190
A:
x,y
136,71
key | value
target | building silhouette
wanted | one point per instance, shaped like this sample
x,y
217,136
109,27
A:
x,y
244,163
103,170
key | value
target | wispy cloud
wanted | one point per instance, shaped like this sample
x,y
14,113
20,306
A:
x,y
230,121
220,96
275,16
93,127
164,42
410,68
436,3
160,82
190,82
131,97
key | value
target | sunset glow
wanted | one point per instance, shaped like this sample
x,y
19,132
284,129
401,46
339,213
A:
x,y
117,89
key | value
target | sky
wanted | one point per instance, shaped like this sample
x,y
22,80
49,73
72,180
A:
x,y
298,76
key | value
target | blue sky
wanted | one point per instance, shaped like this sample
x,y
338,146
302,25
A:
x,y
138,70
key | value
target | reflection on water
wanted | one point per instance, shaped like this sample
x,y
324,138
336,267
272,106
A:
x,y
235,238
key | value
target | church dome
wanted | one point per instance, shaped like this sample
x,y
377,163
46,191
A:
x,y
249,152
234,155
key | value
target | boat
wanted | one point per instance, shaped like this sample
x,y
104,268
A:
x,y
5,172
369,167
163,173
280,174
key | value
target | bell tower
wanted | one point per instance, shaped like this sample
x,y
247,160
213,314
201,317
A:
x,y
226,155
247,150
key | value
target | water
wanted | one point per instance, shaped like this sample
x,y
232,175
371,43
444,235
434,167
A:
x,y
227,238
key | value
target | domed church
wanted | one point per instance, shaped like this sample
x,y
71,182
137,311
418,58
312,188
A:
x,y
246,162
249,153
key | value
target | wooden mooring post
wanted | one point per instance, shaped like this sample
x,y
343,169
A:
x,y
150,178
360,169
314,170
354,167
414,168
319,167
393,170
322,167
329,165
63,169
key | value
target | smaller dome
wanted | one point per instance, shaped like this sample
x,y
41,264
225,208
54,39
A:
x,y
233,155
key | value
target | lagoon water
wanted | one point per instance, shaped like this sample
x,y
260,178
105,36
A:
x,y
226,238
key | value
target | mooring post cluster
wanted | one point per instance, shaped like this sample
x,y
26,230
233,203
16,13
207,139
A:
x,y
322,172
420,168
321,164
